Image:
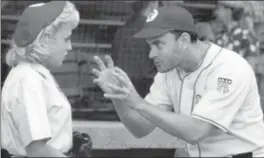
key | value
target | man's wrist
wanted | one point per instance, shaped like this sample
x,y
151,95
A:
x,y
138,102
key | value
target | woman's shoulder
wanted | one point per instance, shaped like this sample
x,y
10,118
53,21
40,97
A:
x,y
26,72
20,78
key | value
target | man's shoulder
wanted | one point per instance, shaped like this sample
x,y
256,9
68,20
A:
x,y
231,60
229,56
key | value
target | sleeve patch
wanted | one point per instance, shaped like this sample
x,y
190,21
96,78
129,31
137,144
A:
x,y
223,85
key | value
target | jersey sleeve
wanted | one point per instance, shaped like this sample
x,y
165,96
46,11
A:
x,y
158,94
30,110
227,90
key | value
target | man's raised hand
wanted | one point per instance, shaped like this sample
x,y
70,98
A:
x,y
105,75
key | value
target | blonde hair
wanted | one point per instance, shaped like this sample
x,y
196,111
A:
x,y
37,50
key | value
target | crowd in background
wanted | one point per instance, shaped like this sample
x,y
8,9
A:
x,y
234,28
231,26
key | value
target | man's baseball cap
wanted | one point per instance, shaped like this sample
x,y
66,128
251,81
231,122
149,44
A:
x,y
34,19
165,19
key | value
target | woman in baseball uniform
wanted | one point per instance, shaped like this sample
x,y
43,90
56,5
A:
x,y
35,115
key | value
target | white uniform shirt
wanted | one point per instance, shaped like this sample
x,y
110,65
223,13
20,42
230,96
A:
x,y
34,108
221,91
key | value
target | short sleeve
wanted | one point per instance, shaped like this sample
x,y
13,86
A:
x,y
227,90
30,110
158,94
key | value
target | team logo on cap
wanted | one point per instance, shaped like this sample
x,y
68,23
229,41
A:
x,y
223,84
152,15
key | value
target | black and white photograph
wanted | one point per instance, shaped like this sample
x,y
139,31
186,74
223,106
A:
x,y
135,78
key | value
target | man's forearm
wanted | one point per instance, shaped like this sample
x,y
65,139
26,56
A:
x,y
137,124
180,126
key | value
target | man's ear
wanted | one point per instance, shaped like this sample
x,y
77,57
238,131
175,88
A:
x,y
183,41
185,38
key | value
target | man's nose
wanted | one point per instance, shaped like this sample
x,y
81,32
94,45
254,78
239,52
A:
x,y
153,53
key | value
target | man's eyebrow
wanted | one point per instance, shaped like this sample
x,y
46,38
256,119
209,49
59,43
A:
x,y
154,42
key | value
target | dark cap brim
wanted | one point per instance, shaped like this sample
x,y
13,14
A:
x,y
150,32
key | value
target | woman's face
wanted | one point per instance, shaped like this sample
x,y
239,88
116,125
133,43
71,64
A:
x,y
59,46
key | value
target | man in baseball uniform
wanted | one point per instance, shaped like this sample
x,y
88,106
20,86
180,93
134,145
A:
x,y
203,94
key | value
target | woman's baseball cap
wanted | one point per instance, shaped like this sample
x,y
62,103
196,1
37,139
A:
x,y
34,19
165,19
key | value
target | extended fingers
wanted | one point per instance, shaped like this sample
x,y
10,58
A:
x,y
123,76
96,72
109,61
121,72
116,89
122,80
100,63
96,81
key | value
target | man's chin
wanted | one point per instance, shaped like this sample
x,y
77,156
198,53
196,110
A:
x,y
162,70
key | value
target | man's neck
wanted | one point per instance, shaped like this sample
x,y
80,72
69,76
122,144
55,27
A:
x,y
199,50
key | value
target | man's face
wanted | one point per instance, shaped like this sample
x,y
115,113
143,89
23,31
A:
x,y
166,52
59,46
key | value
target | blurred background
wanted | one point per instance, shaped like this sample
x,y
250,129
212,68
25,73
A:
x,y
106,28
